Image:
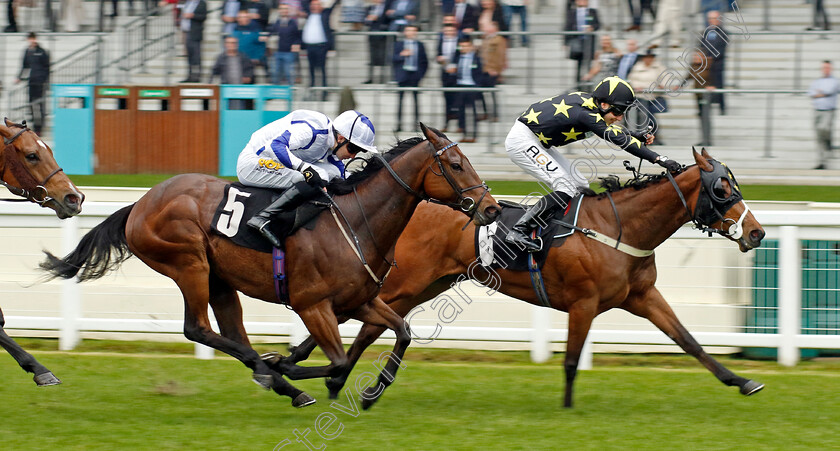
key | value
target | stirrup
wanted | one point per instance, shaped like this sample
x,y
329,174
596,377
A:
x,y
267,234
522,239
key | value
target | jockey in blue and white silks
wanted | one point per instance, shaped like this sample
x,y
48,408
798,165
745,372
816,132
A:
x,y
301,153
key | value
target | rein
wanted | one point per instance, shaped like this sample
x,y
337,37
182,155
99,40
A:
x,y
38,193
734,231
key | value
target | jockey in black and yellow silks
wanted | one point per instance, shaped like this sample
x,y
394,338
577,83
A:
x,y
554,122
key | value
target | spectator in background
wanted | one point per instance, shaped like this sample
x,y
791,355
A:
x,y
230,8
259,12
628,59
36,69
491,11
643,78
401,12
637,10
251,40
581,47
701,74
606,61
192,23
519,7
468,72
824,91
716,40
234,68
494,57
318,39
353,12
11,12
288,46
376,20
410,65
820,17
466,15
446,48
669,15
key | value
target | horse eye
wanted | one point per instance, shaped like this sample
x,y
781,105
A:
x,y
456,167
32,157
718,190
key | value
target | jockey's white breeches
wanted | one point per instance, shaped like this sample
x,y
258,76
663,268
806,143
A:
x,y
549,166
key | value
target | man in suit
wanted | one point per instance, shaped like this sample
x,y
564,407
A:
x,y
446,48
466,15
402,13
469,74
410,64
192,24
318,39
581,47
714,47
377,20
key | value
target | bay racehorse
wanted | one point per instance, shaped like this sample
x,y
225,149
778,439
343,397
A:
x,y
583,277
28,169
169,230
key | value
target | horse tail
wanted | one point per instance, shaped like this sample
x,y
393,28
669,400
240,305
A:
x,y
101,250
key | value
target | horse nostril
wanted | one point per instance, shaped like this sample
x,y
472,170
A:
x,y
757,235
72,200
491,212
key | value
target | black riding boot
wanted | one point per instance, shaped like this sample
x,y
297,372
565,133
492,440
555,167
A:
x,y
291,198
542,210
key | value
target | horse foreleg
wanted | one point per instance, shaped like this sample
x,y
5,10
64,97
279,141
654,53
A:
x,y
322,324
43,376
297,353
367,335
580,320
654,308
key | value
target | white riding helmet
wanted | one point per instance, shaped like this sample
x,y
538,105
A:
x,y
357,128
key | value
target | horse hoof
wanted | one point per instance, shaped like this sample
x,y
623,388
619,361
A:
x,y
368,403
271,358
303,400
46,379
751,387
263,380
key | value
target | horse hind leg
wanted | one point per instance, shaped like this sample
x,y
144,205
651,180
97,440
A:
x,y
43,376
654,308
194,282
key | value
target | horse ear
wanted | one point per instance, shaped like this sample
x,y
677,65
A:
x,y
702,160
706,154
4,129
428,133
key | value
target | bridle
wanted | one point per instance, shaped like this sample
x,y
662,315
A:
x,y
37,192
713,202
466,204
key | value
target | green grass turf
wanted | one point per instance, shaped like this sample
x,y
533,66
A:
x,y
501,187
443,400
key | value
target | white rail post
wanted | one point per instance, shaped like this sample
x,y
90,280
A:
x,y
585,361
299,331
540,344
790,294
204,352
71,300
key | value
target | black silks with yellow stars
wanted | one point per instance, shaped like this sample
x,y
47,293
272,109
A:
x,y
566,118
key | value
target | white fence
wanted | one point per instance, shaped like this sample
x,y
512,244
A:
x,y
706,280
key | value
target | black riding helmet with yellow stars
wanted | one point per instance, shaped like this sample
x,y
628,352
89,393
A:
x,y
616,92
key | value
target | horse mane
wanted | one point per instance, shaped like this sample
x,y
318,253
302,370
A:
x,y
373,166
612,184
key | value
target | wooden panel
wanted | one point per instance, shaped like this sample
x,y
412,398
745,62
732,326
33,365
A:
x,y
113,139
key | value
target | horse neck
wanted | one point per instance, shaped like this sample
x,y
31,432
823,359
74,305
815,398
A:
x,y
386,204
651,215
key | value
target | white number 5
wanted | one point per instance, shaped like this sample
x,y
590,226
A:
x,y
228,223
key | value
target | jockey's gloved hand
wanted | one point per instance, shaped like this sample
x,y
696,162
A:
x,y
667,163
311,177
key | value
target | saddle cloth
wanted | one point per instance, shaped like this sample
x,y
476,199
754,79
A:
x,y
239,203
493,251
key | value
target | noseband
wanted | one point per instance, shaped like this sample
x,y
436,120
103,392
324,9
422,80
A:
x,y
38,193
466,204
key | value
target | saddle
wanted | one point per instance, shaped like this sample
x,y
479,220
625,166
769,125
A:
x,y
240,202
493,251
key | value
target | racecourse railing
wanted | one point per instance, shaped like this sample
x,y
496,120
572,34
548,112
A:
x,y
694,275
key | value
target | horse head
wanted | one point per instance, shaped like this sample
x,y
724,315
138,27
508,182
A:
x,y
28,169
720,207
452,180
